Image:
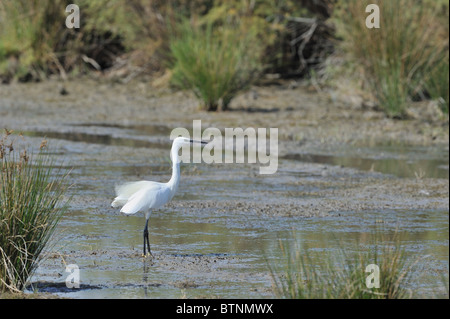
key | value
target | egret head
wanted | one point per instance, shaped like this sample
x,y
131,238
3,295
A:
x,y
178,143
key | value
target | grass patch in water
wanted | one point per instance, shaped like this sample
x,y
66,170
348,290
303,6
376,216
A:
x,y
31,204
344,276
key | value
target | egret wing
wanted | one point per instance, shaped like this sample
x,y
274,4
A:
x,y
142,200
128,189
125,191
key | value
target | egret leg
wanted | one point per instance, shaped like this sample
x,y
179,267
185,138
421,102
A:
x,y
146,240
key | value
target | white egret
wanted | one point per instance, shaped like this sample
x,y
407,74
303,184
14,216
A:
x,y
143,196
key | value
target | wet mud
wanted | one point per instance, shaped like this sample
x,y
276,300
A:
x,y
343,171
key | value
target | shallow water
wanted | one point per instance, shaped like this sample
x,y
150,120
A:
x,y
399,160
207,251
208,255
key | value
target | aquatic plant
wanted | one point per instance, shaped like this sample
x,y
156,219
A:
x,y
344,276
32,202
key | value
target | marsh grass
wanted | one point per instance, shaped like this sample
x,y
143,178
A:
x,y
30,33
31,204
216,63
343,276
35,42
437,82
400,56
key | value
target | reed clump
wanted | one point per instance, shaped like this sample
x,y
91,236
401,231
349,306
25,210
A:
x,y
216,63
406,58
32,201
344,276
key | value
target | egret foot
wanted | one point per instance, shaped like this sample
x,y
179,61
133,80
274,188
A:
x,y
143,196
146,241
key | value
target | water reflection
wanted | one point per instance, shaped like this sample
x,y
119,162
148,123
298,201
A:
x,y
398,160
106,139
403,167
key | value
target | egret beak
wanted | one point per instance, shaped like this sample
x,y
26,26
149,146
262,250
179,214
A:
x,y
201,142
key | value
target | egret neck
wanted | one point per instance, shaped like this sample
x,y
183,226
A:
x,y
174,180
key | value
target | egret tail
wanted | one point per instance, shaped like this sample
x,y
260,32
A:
x,y
125,191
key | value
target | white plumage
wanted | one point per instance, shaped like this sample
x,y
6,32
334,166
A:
x,y
143,196
140,196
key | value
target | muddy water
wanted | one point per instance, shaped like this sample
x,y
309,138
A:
x,y
223,228
398,160
208,256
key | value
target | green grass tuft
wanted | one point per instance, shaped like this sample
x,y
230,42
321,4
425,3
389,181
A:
x,y
400,56
215,63
344,276
31,204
